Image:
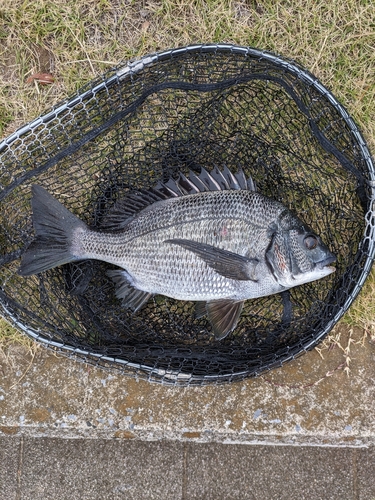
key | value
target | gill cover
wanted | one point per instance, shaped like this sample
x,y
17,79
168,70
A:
x,y
298,256
278,257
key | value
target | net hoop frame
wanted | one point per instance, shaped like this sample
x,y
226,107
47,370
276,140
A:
x,y
126,72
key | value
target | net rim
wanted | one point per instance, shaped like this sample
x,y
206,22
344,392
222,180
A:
x,y
127,71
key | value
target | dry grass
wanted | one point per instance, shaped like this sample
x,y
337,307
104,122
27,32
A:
x,y
362,312
9,335
78,40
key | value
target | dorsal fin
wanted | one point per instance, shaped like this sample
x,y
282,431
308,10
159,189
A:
x,y
187,185
125,209
197,181
220,178
209,181
170,188
216,180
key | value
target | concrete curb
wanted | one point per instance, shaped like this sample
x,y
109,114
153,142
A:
x,y
310,401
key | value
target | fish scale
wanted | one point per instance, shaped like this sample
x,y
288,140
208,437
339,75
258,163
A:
x,y
142,252
221,246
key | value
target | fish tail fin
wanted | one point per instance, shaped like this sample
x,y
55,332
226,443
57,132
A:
x,y
54,227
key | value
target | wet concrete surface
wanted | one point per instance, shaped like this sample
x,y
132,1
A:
x,y
305,430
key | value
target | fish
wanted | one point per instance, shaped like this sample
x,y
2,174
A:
x,y
211,238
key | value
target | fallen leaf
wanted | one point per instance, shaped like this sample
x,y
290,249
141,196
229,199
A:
x,y
42,78
145,25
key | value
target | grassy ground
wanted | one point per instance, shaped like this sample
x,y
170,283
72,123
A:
x,y
76,40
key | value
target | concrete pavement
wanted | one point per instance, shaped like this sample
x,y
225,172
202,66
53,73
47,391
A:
x,y
306,430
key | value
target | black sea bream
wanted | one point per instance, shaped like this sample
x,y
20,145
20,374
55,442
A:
x,y
209,238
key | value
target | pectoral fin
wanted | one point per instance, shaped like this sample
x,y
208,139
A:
x,y
223,316
287,308
224,262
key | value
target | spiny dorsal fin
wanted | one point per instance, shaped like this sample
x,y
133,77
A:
x,y
170,188
221,178
216,180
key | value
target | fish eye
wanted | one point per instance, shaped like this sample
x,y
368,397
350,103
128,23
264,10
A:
x,y
311,242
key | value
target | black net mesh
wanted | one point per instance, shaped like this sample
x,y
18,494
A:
x,y
169,113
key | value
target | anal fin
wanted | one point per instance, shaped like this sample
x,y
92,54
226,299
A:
x,y
222,314
132,298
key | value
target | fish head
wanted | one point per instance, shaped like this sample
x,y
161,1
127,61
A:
x,y
297,255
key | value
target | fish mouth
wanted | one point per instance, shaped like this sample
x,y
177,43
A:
x,y
326,263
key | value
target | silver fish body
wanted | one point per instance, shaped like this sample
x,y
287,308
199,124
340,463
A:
x,y
219,218
218,247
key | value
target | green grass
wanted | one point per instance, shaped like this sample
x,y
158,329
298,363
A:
x,y
79,40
